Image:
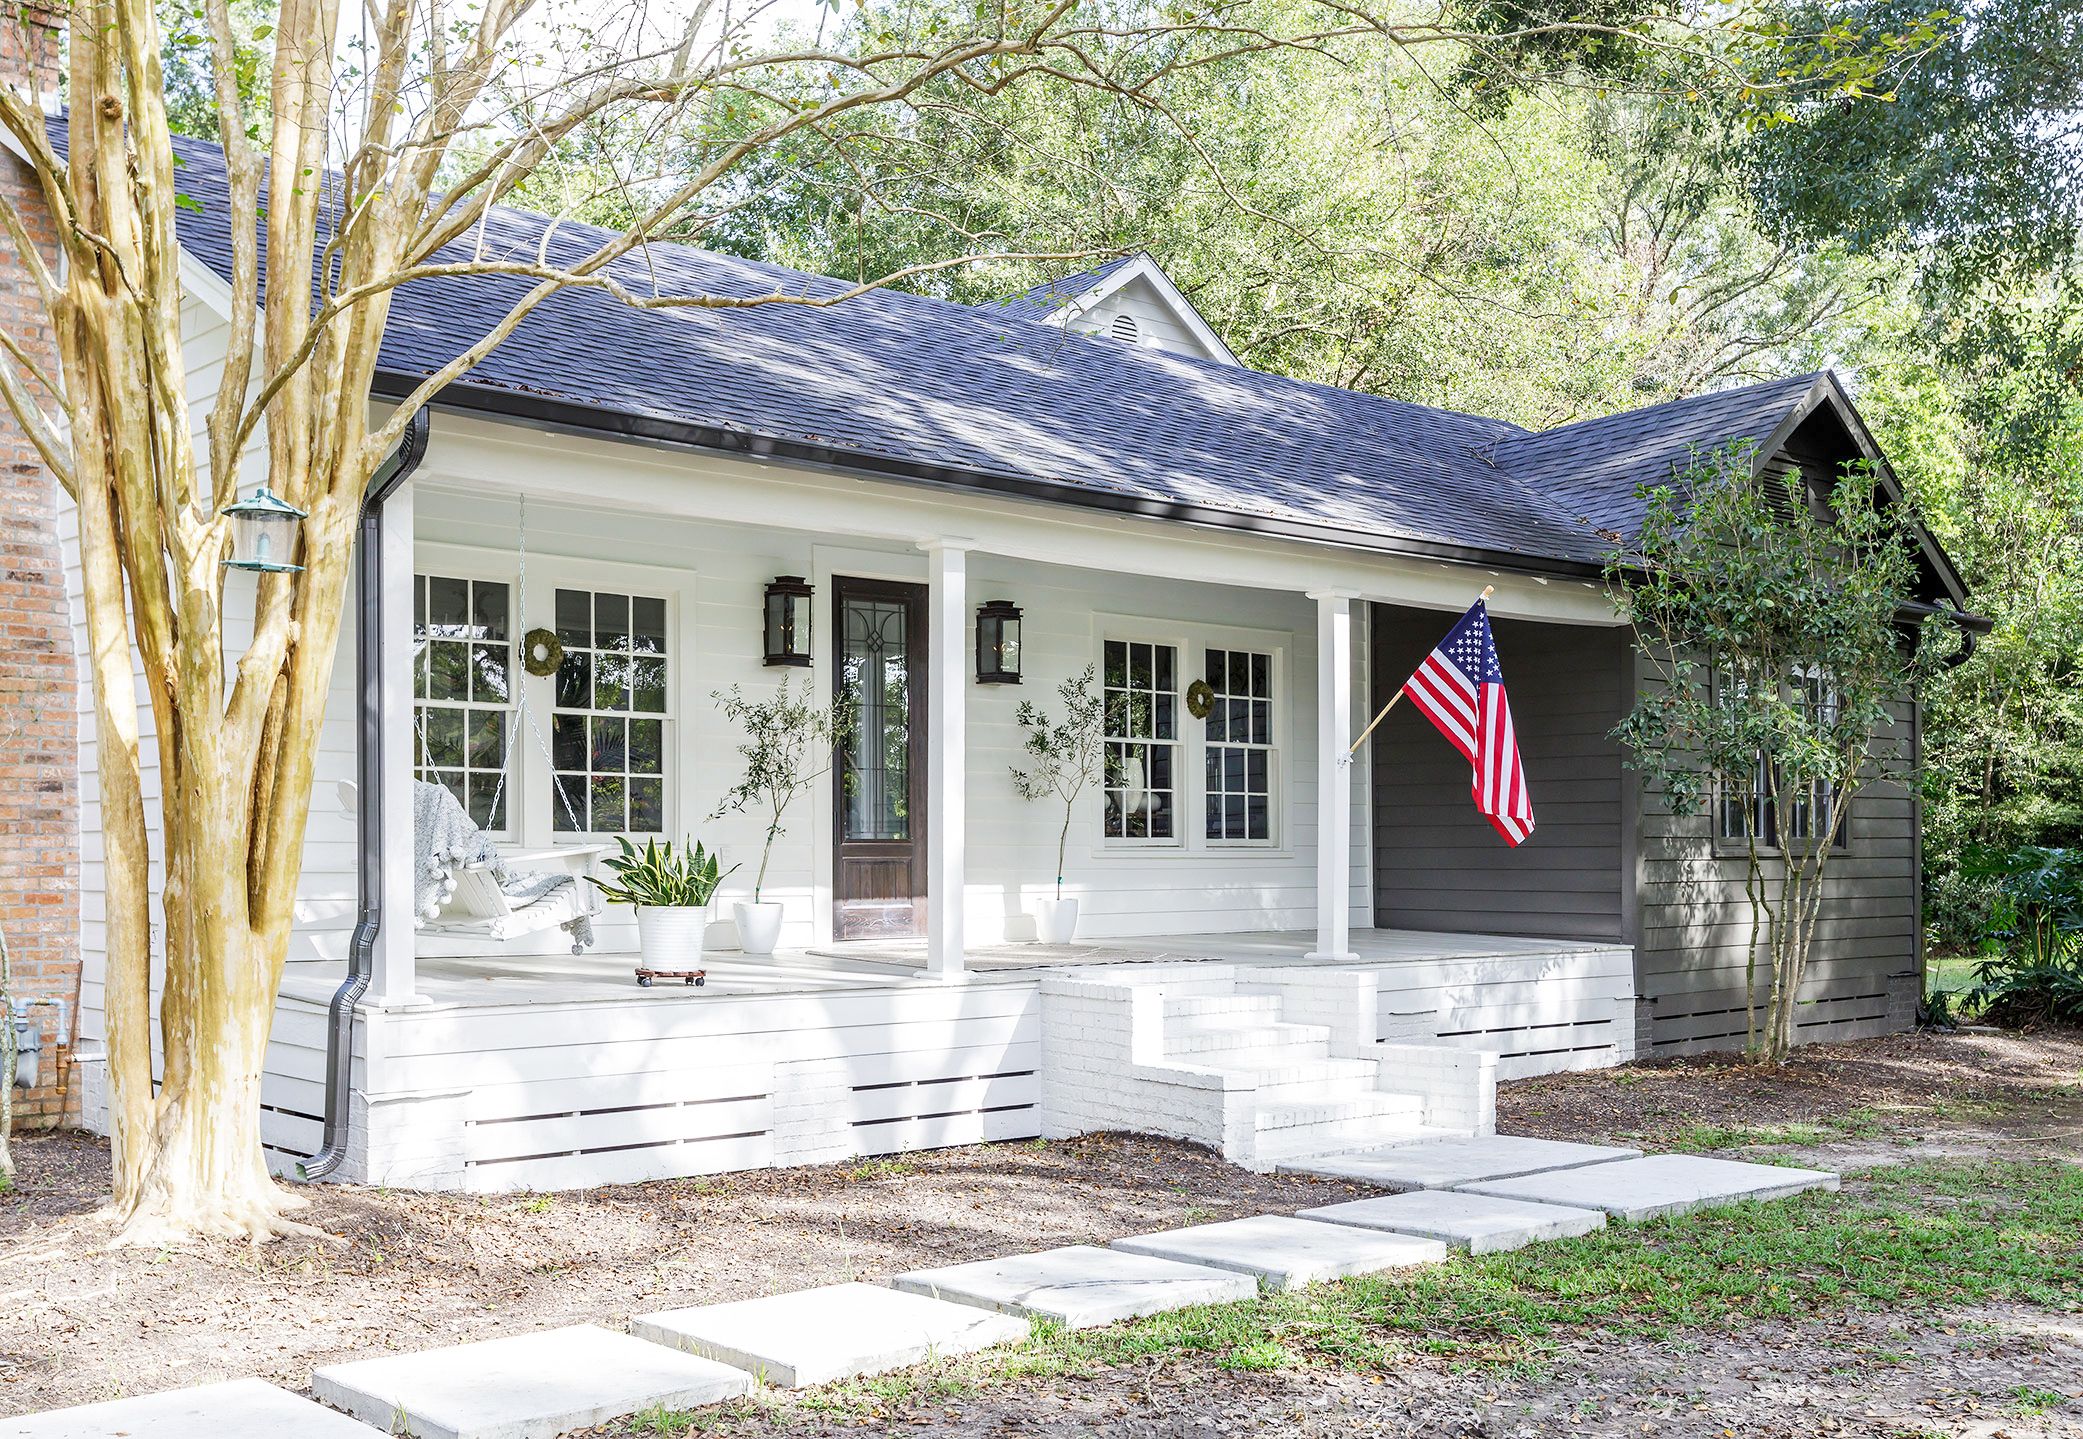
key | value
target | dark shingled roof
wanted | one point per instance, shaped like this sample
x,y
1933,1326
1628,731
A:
x,y
898,382
1595,470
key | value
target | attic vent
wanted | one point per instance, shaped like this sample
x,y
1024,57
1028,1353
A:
x,y
1125,329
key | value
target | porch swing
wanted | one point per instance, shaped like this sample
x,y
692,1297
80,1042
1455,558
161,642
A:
x,y
464,885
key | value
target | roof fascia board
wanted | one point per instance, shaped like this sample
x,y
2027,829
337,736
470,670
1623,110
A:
x,y
572,418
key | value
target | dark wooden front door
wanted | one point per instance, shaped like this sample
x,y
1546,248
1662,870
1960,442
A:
x,y
879,880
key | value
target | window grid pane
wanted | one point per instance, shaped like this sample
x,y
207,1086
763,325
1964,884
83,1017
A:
x,y
1141,697
1239,732
462,668
607,758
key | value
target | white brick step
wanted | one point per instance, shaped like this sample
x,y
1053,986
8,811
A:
x,y
1334,1104
1276,1146
1300,1079
1193,1006
1203,1036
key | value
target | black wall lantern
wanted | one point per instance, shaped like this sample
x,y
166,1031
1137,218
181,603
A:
x,y
998,643
788,621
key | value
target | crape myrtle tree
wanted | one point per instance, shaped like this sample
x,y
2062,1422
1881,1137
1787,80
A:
x,y
1770,619
364,150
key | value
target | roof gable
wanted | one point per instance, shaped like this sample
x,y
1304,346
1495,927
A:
x,y
1130,300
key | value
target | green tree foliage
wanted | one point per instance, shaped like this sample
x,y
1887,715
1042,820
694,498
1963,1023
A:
x,y
1767,621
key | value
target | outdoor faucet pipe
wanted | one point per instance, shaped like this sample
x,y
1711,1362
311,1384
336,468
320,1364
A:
x,y
368,765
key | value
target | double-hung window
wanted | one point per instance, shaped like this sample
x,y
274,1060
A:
x,y
1142,770
1239,744
1753,810
609,722
462,692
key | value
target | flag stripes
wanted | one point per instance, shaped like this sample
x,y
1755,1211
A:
x,y
1460,688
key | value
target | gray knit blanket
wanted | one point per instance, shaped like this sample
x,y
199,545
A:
x,y
445,839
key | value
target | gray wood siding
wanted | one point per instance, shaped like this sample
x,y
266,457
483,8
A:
x,y
1864,970
1438,864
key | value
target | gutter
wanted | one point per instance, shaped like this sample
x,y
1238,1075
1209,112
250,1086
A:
x,y
396,468
658,432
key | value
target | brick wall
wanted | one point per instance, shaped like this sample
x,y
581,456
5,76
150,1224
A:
x,y
39,733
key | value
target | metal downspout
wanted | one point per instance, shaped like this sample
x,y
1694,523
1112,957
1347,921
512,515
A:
x,y
368,688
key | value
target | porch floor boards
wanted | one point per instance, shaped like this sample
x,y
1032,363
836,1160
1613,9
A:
x,y
882,964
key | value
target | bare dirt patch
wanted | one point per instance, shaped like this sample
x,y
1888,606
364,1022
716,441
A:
x,y
413,1271
1927,1095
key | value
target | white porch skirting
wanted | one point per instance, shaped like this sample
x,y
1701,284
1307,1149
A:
x,y
563,1074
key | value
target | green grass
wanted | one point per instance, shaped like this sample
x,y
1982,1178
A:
x,y
1928,1235
1852,1124
1954,973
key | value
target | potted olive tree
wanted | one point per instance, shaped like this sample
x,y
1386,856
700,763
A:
x,y
789,742
670,886
1063,757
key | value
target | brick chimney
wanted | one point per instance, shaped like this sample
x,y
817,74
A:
x,y
39,671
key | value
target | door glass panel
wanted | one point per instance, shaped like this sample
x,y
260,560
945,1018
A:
x,y
875,673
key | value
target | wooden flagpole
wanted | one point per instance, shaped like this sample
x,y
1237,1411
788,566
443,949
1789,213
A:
x,y
1488,590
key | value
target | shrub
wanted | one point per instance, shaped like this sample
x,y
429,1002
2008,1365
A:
x,y
2032,965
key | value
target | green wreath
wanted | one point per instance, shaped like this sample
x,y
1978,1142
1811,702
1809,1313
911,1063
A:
x,y
1200,698
542,652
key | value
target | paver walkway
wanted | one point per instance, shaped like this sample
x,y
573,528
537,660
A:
x,y
236,1409
815,1336
1080,1286
1483,1193
525,1386
1287,1253
1661,1185
1449,1163
1479,1223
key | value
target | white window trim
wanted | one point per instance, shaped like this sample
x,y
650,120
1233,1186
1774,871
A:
x,y
480,567
531,825
1190,795
1177,840
1276,788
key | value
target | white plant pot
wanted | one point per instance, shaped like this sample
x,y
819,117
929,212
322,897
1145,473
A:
x,y
759,925
1056,921
670,935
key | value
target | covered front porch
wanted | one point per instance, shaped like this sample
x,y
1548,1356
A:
x,y
554,1070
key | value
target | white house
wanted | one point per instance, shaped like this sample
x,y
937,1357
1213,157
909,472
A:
x,y
1278,952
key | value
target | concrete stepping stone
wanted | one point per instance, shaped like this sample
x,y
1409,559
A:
x,y
1287,1253
1663,1184
236,1409
527,1386
815,1336
1451,1163
1478,1223
1080,1285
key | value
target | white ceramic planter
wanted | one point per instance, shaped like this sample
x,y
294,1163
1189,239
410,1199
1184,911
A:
x,y
670,936
759,925
1056,920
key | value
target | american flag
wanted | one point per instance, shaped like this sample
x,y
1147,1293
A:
x,y
1460,687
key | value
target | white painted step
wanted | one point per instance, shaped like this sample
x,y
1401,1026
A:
x,y
1334,1104
1265,1043
1253,1007
1301,1079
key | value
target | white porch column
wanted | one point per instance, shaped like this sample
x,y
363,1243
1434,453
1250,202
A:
x,y
947,750
395,980
1334,689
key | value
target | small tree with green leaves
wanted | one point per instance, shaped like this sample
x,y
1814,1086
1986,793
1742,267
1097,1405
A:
x,y
1062,754
1771,626
790,739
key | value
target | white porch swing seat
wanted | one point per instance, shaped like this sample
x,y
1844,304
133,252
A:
x,y
464,886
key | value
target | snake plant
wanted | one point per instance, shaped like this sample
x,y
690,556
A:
x,y
664,876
